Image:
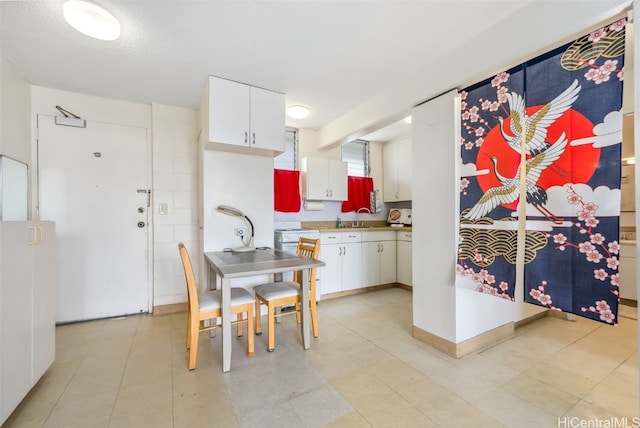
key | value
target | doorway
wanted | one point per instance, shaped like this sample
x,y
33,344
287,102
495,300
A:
x,y
93,182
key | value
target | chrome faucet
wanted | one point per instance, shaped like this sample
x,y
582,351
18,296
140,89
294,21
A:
x,y
358,223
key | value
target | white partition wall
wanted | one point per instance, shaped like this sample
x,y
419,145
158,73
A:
x,y
447,314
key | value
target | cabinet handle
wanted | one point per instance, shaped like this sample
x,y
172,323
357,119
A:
x,y
246,137
382,248
36,235
254,139
345,251
331,193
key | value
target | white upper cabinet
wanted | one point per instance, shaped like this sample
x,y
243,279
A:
x,y
245,118
324,179
396,165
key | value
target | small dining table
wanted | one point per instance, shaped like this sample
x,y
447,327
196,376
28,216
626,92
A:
x,y
229,265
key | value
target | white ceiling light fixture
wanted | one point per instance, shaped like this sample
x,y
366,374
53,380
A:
x,y
91,19
298,112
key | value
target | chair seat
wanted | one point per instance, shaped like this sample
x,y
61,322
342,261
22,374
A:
x,y
278,290
210,300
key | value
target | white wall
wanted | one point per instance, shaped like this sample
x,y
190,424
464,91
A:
x,y
15,114
175,183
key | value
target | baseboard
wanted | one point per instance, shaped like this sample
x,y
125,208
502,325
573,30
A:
x,y
531,319
476,343
170,309
356,291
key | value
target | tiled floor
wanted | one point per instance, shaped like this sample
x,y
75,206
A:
x,y
364,370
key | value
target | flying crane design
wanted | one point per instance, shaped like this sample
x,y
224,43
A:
x,y
509,190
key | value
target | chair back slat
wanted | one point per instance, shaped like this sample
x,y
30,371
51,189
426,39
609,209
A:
x,y
192,289
308,247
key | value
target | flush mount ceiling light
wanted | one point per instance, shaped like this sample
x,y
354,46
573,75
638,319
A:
x,y
298,112
91,19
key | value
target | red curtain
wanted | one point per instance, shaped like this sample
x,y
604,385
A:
x,y
286,190
359,189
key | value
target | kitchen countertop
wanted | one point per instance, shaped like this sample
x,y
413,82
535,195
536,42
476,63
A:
x,y
372,226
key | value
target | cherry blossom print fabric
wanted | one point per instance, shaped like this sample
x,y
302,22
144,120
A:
x,y
550,129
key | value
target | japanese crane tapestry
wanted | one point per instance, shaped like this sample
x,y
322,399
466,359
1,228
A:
x,y
551,130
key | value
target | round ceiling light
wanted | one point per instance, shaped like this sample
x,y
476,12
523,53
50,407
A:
x,y
298,112
91,19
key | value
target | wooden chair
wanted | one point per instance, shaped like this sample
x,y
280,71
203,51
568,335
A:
x,y
207,305
277,294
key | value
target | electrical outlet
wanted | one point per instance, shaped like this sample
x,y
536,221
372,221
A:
x,y
240,232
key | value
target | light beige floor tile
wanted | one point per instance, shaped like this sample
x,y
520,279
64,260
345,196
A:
x,y
378,404
562,378
547,398
588,413
150,401
320,406
350,420
433,400
394,373
513,411
91,410
618,393
471,417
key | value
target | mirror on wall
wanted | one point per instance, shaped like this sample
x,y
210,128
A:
x,y
13,189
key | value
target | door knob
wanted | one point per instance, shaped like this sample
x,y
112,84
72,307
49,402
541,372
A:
x,y
141,224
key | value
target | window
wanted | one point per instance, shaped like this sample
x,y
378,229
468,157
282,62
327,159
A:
x,y
288,158
356,154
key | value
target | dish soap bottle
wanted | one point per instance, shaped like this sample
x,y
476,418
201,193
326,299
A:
x,y
338,223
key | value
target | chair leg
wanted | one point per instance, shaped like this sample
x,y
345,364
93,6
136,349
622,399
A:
x,y
250,334
258,320
271,318
193,350
314,318
298,313
239,325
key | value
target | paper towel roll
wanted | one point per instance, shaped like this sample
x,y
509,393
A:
x,y
313,205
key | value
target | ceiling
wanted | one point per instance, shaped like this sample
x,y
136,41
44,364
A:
x,y
332,56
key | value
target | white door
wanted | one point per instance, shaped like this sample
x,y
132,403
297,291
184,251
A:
x,y
93,183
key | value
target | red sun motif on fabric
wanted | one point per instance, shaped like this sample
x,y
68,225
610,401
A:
x,y
576,165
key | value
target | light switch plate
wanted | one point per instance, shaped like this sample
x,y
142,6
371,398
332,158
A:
x,y
162,209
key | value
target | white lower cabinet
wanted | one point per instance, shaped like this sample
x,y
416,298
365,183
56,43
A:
x,y
28,293
378,258
404,258
627,271
341,253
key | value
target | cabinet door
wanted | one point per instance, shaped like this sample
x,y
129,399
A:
x,y
315,178
404,263
390,172
370,263
351,266
387,262
267,119
229,112
15,315
404,170
44,292
627,272
337,180
331,255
